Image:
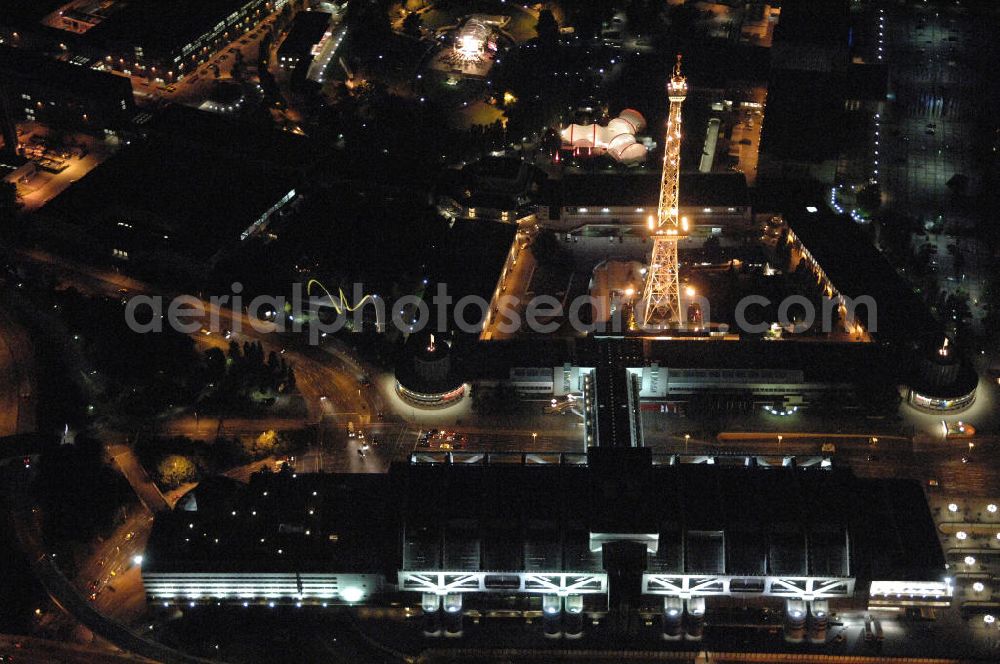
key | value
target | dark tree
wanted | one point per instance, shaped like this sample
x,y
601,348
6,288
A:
x,y
9,206
895,231
215,364
957,306
412,24
683,21
546,249
264,51
783,250
870,198
80,494
547,28
991,322
712,248
284,17
588,15
368,19
644,15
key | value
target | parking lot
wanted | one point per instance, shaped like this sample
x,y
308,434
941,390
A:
x,y
196,86
931,133
935,111
57,164
969,530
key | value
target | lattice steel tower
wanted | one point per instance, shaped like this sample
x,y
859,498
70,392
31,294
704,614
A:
x,y
661,303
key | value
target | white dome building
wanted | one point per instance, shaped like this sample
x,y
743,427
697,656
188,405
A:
x,y
617,139
634,118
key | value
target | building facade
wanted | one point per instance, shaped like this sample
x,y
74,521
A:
x,y
307,31
164,41
615,205
627,533
34,87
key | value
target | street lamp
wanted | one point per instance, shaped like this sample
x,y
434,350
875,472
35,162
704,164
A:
x,y
687,437
534,437
779,438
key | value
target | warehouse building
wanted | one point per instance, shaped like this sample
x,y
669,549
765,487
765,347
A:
x,y
626,533
168,39
34,87
308,29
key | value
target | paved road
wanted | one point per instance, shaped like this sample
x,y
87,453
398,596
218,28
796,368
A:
x,y
61,590
243,473
144,487
44,187
516,440
516,275
198,84
210,428
956,468
951,463
111,573
319,372
43,651
336,452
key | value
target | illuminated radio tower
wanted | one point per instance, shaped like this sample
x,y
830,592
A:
x,y
661,295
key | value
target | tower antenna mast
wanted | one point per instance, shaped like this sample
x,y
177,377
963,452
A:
x,y
661,294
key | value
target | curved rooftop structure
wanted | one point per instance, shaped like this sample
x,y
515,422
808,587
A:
x,y
425,376
634,118
617,138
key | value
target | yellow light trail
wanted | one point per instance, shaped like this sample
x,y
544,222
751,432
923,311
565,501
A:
x,y
340,305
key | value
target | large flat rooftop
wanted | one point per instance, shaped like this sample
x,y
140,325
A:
x,y
857,269
26,13
819,361
643,188
21,64
706,519
306,31
164,26
814,22
160,195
